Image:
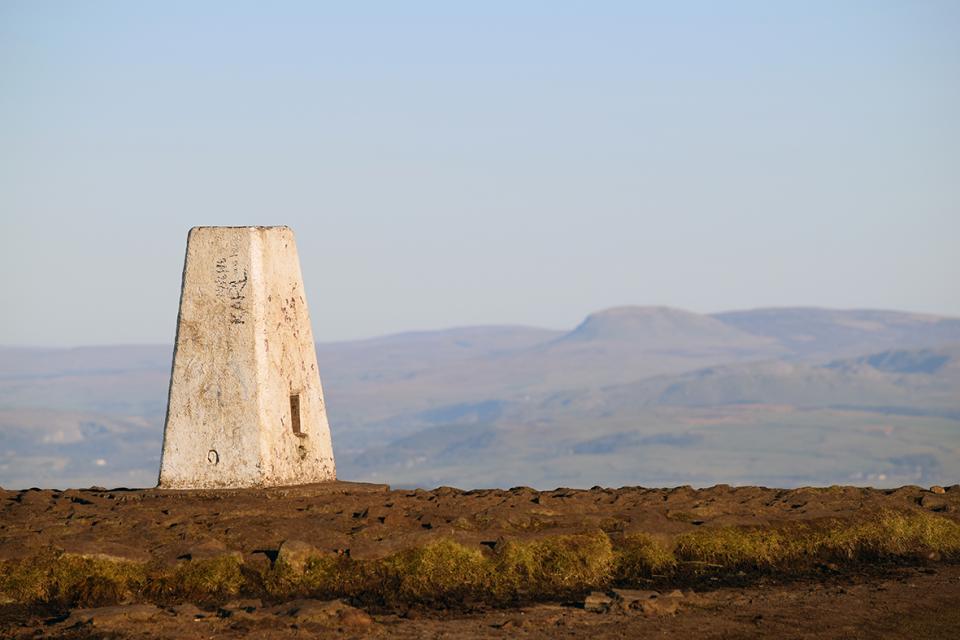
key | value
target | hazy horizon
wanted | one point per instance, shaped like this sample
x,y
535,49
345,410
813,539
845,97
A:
x,y
505,324
631,396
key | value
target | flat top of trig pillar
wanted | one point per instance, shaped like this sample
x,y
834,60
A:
x,y
264,227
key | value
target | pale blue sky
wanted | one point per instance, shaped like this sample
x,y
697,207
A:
x,y
514,162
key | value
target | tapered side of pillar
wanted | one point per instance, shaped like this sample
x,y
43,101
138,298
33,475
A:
x,y
295,437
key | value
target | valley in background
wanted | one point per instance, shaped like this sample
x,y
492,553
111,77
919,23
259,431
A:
x,y
647,396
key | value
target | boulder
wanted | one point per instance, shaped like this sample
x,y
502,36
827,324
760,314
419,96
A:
x,y
258,561
934,503
295,553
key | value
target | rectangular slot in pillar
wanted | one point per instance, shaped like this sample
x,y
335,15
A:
x,y
295,414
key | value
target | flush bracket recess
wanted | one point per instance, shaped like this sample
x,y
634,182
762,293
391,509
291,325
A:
x,y
295,415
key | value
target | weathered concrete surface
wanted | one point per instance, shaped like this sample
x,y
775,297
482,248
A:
x,y
246,407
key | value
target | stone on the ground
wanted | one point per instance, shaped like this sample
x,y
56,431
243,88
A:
x,y
295,553
211,548
628,596
327,612
115,615
511,623
257,561
240,608
650,603
597,601
934,503
109,551
665,605
246,604
188,610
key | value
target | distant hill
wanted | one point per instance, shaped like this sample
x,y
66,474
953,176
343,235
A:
x,y
629,343
921,381
632,395
663,329
811,332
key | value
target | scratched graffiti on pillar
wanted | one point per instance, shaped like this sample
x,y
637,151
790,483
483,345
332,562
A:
x,y
231,280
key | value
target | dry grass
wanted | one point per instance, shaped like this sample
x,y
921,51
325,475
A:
x,y
445,573
555,566
208,577
886,535
641,558
70,579
440,573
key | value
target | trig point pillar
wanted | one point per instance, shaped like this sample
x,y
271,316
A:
x,y
246,407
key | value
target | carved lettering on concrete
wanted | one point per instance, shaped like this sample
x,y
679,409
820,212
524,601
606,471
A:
x,y
231,280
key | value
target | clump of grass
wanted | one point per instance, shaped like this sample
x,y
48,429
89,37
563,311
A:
x,y
338,576
25,580
739,549
440,573
323,576
72,580
887,535
208,577
555,566
891,534
200,580
283,580
447,573
640,558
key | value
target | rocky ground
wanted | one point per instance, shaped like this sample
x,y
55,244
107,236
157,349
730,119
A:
x,y
369,521
918,598
917,602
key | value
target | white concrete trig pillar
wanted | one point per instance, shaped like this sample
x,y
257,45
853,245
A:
x,y
245,406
